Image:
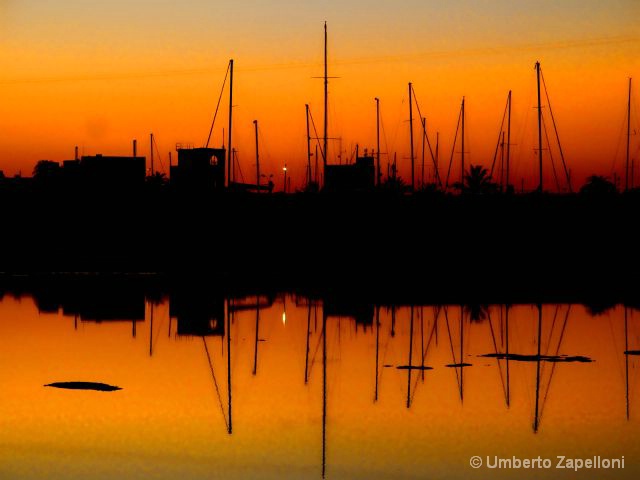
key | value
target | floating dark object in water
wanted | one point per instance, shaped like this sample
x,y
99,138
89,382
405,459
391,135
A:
x,y
456,365
543,358
413,367
387,365
100,387
632,352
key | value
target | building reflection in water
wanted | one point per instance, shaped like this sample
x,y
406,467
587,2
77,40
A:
x,y
339,369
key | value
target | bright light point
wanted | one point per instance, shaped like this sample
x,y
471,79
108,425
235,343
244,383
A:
x,y
284,318
284,169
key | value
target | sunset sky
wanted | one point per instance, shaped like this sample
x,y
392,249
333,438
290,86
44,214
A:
x,y
98,74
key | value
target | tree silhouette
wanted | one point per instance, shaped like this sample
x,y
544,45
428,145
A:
x,y
393,184
477,181
158,179
477,312
46,170
598,185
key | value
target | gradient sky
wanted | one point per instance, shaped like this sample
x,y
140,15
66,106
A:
x,y
98,74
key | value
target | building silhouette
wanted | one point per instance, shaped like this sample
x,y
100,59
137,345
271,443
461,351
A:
x,y
199,169
359,176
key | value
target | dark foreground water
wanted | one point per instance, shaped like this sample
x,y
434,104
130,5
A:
x,y
302,389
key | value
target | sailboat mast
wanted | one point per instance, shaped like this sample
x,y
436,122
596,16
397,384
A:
x,y
436,176
540,186
508,142
502,161
255,123
308,147
410,365
507,337
375,395
536,418
151,151
626,358
626,181
413,185
378,141
462,145
326,103
228,334
230,152
424,134
255,343
324,391
462,346
316,167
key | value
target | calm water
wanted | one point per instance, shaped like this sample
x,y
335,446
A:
x,y
300,389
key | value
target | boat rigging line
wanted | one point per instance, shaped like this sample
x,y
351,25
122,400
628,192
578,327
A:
x,y
215,115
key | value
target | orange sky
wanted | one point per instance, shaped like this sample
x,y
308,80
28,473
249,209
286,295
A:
x,y
98,76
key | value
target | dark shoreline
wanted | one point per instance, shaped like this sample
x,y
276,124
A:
x,y
431,247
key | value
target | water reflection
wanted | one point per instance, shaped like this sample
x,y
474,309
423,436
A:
x,y
309,387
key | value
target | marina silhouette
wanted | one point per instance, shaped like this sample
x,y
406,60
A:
x,y
373,307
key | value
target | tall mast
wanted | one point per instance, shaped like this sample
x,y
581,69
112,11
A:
x,y
378,141
626,181
151,151
626,358
410,359
502,161
308,147
413,185
324,391
536,418
375,395
435,174
316,166
326,102
255,343
539,127
228,334
230,153
462,145
508,141
424,134
255,123
461,351
506,314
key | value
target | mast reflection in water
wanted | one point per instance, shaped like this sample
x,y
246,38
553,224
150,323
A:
x,y
219,387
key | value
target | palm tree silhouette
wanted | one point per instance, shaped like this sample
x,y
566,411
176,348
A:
x,y
477,312
158,179
477,181
598,185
